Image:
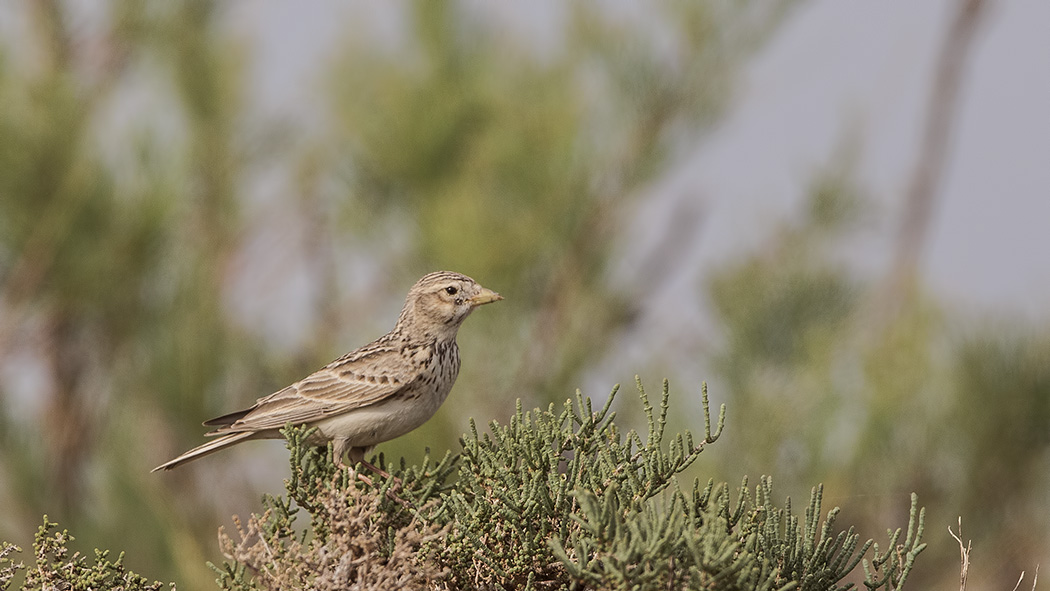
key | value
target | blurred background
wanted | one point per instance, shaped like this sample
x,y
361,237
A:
x,y
834,212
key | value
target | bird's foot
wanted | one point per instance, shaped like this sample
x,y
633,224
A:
x,y
395,485
390,493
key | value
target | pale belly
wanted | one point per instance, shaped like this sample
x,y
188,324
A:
x,y
372,425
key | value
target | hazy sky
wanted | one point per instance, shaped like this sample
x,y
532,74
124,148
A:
x,y
839,66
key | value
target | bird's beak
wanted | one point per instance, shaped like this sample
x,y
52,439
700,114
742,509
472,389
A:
x,y
486,296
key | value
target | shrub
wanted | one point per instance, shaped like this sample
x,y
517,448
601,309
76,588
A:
x,y
551,500
58,569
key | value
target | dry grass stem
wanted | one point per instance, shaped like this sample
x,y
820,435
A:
x,y
964,556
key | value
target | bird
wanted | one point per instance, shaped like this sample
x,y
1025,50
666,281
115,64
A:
x,y
372,394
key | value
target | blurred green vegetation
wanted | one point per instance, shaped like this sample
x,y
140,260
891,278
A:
x,y
131,235
827,385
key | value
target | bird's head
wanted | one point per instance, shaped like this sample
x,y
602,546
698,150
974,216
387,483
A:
x,y
437,304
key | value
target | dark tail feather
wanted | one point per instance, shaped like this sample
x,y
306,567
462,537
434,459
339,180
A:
x,y
208,448
229,419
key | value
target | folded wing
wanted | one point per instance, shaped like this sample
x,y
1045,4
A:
x,y
340,387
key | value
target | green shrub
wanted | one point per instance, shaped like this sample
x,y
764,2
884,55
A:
x,y
57,569
552,500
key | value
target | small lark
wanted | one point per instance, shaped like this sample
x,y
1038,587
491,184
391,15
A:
x,y
374,394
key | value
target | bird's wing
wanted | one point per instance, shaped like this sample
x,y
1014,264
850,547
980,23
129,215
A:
x,y
352,382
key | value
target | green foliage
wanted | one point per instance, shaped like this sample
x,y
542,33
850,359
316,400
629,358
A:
x,y
57,568
917,400
523,488
999,429
117,223
551,500
8,567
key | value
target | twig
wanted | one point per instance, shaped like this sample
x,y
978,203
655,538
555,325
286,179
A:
x,y
964,554
1035,579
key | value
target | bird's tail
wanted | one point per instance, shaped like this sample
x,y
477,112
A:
x,y
202,450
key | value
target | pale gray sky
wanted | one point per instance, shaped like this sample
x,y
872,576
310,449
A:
x,y
863,67
840,63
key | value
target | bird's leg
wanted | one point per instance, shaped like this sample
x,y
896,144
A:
x,y
357,456
375,469
378,471
341,447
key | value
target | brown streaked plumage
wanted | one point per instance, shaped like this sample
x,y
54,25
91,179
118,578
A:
x,y
373,394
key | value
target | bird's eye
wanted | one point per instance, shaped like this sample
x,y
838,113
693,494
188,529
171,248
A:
x,y
451,290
